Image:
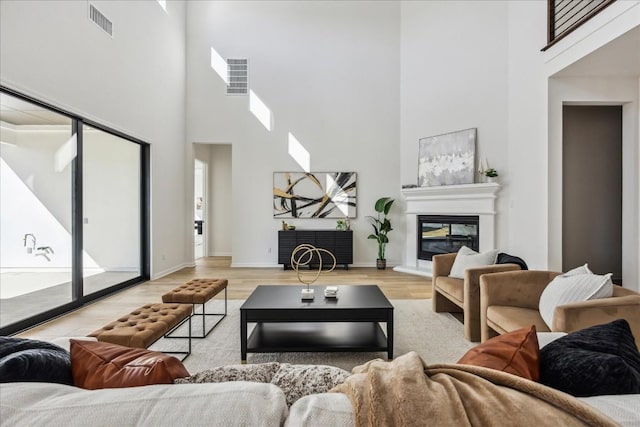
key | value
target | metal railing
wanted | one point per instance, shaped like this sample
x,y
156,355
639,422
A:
x,y
564,16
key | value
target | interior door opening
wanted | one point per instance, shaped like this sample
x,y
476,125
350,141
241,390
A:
x,y
592,189
200,202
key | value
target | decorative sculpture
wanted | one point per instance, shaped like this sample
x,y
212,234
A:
x,y
303,255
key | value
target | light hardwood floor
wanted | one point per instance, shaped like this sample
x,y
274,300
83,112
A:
x,y
242,281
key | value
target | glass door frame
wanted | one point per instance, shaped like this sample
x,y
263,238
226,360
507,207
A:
x,y
78,298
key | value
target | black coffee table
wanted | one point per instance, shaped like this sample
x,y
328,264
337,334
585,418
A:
x,y
285,323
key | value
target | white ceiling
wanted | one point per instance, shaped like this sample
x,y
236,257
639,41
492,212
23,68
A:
x,y
18,112
618,58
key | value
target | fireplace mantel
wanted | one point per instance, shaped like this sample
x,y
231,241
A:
x,y
467,199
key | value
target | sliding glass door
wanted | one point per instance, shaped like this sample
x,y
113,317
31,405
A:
x,y
111,209
36,153
73,211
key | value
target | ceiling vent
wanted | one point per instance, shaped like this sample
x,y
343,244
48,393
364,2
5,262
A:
x,y
237,73
101,21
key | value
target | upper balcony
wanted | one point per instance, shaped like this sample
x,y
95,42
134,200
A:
x,y
564,16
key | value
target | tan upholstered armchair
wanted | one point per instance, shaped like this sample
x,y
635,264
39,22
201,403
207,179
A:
x,y
457,295
509,301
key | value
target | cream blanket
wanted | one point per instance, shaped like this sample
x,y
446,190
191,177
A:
x,y
406,392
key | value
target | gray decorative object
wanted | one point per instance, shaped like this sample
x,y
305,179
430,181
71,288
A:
x,y
447,159
314,195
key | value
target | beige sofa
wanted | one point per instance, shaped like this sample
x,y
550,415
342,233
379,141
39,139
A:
x,y
222,404
457,295
510,300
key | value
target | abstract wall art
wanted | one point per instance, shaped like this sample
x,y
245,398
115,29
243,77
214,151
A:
x,y
447,159
314,195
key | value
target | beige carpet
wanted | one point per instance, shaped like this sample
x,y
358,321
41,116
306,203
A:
x,y
437,337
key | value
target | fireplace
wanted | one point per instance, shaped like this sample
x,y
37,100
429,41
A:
x,y
458,201
443,234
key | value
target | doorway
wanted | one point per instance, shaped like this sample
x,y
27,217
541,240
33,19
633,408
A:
x,y
200,202
592,189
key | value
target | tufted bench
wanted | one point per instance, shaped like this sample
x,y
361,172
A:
x,y
199,291
145,325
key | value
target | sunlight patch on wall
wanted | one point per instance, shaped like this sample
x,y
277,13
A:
x,y
65,154
219,65
163,4
23,212
338,196
299,153
260,110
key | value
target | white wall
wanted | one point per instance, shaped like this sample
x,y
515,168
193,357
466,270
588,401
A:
x,y
220,215
36,196
349,79
329,73
453,77
32,154
41,202
605,86
527,133
535,127
111,199
219,218
585,91
133,82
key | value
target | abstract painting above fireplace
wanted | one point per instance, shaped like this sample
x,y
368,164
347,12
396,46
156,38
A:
x,y
442,234
447,159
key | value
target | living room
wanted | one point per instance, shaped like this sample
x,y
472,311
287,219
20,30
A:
x,y
169,96
356,84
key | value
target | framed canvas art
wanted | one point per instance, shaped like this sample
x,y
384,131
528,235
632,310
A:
x,y
314,195
447,159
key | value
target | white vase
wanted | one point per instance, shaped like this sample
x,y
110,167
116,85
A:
x,y
492,179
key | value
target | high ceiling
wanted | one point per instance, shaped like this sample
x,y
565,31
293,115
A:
x,y
18,112
618,58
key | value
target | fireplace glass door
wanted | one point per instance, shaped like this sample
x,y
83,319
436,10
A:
x,y
439,234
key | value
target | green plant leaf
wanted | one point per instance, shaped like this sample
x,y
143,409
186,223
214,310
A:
x,y
380,204
375,229
387,206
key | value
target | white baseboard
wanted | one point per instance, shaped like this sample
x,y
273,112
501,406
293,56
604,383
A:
x,y
414,271
254,265
271,265
220,254
168,271
359,265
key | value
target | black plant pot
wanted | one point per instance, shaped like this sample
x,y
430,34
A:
x,y
381,264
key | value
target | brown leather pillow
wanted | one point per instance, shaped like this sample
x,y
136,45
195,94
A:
x,y
96,364
515,352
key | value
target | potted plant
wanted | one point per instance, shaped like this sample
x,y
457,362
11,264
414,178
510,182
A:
x,y
381,226
491,174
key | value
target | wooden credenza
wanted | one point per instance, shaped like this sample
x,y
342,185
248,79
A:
x,y
339,243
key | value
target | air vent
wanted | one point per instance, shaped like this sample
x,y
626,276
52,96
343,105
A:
x,y
237,71
101,21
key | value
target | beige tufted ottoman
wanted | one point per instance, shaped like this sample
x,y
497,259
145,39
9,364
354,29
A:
x,y
145,325
199,291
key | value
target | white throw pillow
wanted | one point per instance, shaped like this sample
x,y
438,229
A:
x,y
583,269
568,289
467,258
545,338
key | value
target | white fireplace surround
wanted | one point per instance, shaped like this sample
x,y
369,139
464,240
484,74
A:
x,y
467,199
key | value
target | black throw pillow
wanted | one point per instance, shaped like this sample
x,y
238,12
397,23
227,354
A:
x,y
602,359
511,259
25,360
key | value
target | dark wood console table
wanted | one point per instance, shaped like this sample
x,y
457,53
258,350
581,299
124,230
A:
x,y
339,243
